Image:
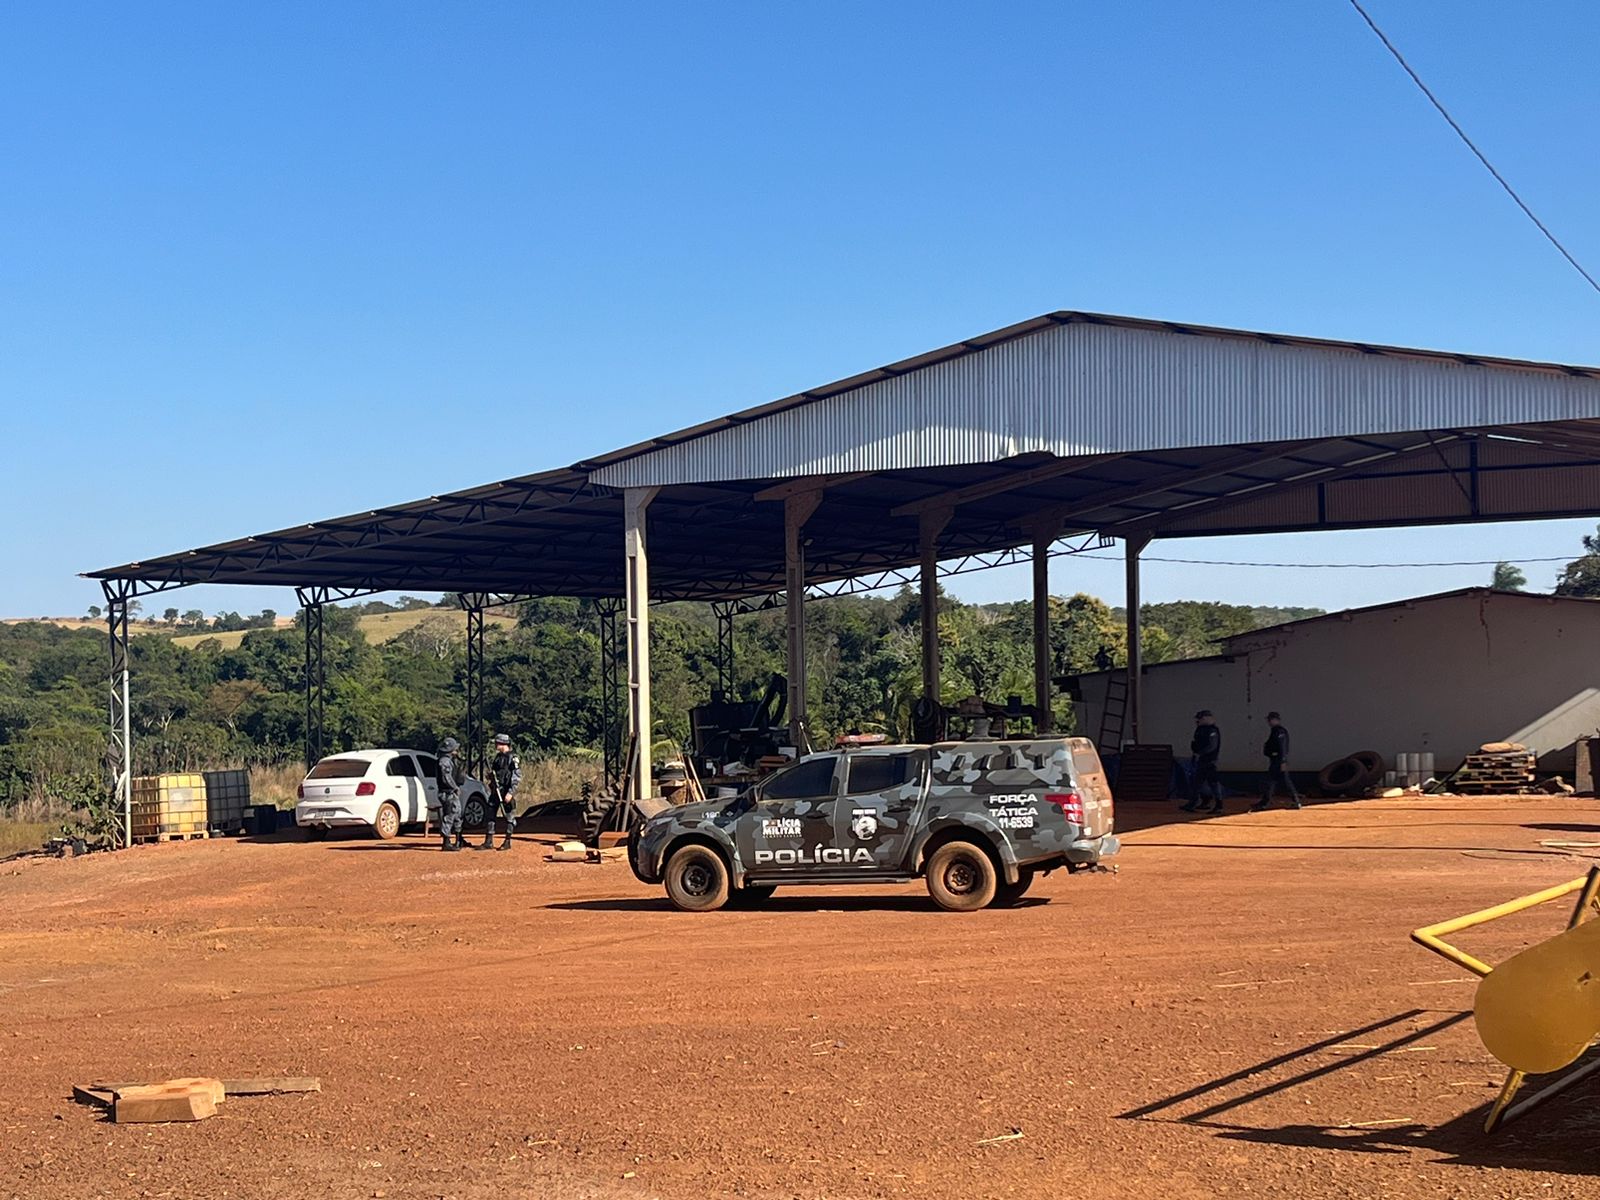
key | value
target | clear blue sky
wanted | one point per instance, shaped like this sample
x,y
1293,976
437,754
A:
x,y
264,264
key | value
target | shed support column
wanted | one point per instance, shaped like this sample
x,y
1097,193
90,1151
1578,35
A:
x,y
1132,548
610,693
723,610
118,819
797,510
635,503
1042,659
311,601
473,603
930,524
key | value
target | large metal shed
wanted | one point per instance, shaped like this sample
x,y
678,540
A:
x,y
1066,431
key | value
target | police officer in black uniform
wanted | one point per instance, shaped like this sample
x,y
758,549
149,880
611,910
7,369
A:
x,y
505,773
1277,751
1206,746
450,780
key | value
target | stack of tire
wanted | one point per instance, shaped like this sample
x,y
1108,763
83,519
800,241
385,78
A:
x,y
1353,775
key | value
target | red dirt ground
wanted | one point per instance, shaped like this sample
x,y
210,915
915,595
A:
x,y
1239,1010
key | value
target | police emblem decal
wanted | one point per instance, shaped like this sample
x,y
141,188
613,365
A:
x,y
864,823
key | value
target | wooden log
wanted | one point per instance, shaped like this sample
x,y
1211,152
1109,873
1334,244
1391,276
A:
x,y
181,1100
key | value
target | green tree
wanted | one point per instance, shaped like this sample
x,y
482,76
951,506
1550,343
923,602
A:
x,y
1508,578
1581,576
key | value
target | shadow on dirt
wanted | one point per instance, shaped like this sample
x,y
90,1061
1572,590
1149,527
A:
x,y
1558,1136
809,904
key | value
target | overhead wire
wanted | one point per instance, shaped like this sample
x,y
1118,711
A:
x,y
1471,145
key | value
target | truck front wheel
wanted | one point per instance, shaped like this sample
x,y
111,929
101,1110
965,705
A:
x,y
697,879
961,877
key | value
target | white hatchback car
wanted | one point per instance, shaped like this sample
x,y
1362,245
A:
x,y
378,789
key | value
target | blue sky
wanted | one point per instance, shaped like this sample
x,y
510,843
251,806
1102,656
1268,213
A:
x,y
264,264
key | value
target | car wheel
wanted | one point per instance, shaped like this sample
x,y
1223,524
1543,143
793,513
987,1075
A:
x,y
388,823
475,812
316,833
752,895
697,879
961,877
1007,894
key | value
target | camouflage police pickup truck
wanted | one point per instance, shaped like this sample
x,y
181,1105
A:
x,y
977,819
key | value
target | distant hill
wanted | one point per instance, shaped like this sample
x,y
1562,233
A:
x,y
379,627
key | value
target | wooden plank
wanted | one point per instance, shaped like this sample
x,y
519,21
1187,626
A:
x,y
100,1097
266,1085
178,1100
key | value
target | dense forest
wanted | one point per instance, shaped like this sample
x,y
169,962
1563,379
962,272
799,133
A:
x,y
205,705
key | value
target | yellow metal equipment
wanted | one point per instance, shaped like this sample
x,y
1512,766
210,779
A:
x,y
1539,1010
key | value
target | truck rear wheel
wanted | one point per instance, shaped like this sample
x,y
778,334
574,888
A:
x,y
1007,894
697,879
961,877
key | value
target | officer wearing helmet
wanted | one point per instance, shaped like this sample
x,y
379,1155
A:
x,y
450,781
505,773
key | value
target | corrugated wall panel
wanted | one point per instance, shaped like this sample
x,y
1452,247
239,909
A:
x,y
1090,389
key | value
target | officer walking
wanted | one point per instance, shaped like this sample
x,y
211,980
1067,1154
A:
x,y
1277,751
1206,745
505,772
450,795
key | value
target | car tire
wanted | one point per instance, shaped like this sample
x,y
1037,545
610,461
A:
x,y
696,879
961,877
1008,894
386,826
475,812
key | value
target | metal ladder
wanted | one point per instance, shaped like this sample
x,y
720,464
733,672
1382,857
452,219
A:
x,y
1114,716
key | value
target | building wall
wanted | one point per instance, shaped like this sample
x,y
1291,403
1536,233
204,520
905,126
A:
x,y
1442,675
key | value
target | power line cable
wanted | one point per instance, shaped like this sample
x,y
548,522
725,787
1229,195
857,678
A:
x,y
1471,145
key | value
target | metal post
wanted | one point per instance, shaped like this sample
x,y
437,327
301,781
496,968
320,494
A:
x,y
610,693
311,602
1132,548
724,610
930,524
797,510
120,757
1042,661
475,734
635,503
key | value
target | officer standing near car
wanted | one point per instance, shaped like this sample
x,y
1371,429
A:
x,y
505,772
1276,749
450,795
1206,745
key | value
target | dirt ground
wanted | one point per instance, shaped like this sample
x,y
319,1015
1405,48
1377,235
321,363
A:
x,y
1238,1010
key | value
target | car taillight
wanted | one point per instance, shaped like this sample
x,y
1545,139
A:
x,y
300,792
1070,804
367,789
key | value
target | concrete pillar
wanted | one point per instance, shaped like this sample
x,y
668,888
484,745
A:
x,y
635,503
1042,691
930,524
1132,548
797,510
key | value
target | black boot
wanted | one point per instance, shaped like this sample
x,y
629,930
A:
x,y
488,839
506,843
460,843
446,843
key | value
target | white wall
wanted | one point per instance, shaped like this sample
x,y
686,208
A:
x,y
1443,675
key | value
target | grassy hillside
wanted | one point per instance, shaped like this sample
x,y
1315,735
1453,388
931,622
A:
x,y
379,627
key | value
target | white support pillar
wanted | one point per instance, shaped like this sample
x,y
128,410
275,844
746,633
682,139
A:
x,y
635,502
797,510
930,524
1042,691
1132,548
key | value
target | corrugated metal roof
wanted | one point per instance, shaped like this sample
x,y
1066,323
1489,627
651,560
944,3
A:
x,y
1071,384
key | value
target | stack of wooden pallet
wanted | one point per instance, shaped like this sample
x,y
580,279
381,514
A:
x,y
1495,773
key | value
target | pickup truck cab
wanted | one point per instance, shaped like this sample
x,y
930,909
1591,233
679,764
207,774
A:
x,y
978,820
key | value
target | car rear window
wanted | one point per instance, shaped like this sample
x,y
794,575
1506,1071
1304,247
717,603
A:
x,y
877,772
801,781
339,768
